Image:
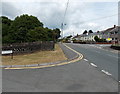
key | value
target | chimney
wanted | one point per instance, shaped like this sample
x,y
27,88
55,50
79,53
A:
x,y
114,26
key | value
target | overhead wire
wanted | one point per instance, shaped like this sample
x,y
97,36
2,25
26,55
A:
x,y
98,18
65,11
62,24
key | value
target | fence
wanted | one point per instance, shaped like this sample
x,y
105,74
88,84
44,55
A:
x,y
20,48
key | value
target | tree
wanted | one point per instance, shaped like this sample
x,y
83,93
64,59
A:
x,y
99,40
21,25
37,34
49,34
85,32
90,31
96,38
98,31
5,23
56,34
26,28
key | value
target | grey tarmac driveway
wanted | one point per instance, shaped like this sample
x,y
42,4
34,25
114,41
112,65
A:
x,y
75,77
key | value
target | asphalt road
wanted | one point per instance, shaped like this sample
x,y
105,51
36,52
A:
x,y
104,59
75,77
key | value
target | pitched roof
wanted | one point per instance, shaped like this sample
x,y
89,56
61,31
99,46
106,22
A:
x,y
108,30
115,29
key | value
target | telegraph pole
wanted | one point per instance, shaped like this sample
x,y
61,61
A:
x,y
62,24
73,34
61,30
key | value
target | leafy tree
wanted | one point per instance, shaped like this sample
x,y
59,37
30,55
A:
x,y
0,32
96,38
49,34
85,32
37,34
5,25
26,28
21,25
99,40
90,31
56,34
98,31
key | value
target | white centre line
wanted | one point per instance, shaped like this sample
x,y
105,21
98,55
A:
x,y
93,65
85,59
106,72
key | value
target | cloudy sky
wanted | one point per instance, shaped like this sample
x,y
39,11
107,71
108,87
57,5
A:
x,y
80,15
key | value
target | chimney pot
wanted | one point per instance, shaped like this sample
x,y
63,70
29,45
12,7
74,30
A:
x,y
114,26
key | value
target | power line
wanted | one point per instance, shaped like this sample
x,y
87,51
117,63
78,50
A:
x,y
101,18
98,18
65,11
62,24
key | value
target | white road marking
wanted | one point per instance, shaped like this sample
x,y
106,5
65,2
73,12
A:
x,y
85,59
106,72
93,65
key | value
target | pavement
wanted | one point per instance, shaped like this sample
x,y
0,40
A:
x,y
80,76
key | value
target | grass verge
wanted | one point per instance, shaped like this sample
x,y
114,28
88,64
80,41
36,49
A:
x,y
35,58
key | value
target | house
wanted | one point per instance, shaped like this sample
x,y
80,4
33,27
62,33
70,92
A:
x,y
90,37
110,33
77,37
106,33
114,34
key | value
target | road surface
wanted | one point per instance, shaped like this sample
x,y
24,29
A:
x,y
75,77
104,59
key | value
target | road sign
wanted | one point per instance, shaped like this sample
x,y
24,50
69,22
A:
x,y
8,52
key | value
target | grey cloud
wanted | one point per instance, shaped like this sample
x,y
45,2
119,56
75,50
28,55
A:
x,y
9,10
51,14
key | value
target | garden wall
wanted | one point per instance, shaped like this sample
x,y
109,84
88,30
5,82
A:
x,y
20,48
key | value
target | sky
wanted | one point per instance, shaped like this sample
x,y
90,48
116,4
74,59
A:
x,y
80,16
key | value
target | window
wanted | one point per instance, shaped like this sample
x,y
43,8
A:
x,y
116,32
112,33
